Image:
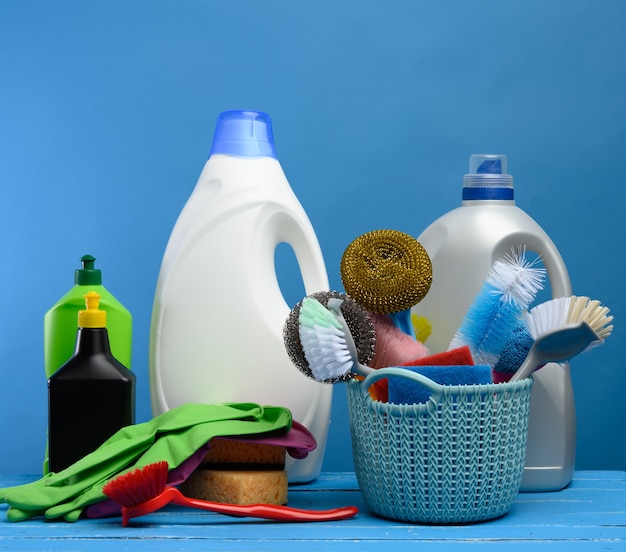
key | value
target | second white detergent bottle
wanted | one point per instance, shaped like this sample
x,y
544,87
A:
x,y
463,245
218,314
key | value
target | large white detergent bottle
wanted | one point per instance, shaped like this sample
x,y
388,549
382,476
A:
x,y
218,314
463,245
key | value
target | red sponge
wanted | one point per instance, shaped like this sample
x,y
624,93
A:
x,y
461,356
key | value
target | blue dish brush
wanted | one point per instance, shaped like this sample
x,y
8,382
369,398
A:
x,y
495,315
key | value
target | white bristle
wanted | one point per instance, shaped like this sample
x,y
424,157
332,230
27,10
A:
x,y
313,313
510,286
567,310
325,351
323,342
547,315
583,309
517,278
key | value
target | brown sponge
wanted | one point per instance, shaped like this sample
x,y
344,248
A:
x,y
240,472
238,486
230,453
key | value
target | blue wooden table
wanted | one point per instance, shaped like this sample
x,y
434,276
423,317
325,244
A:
x,y
590,514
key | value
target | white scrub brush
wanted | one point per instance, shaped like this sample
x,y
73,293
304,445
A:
x,y
327,342
570,310
563,328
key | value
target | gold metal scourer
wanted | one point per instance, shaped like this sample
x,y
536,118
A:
x,y
386,271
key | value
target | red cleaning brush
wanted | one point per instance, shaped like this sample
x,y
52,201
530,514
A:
x,y
144,490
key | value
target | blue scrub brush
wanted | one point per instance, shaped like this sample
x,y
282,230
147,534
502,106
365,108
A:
x,y
494,316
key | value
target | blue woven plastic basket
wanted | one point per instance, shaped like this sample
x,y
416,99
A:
x,y
457,458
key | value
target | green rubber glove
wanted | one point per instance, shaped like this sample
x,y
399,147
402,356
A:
x,y
172,436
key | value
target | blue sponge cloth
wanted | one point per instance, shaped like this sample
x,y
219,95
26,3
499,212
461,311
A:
x,y
404,391
515,351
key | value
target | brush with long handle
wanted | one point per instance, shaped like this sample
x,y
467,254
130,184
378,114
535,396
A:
x,y
387,272
510,286
144,490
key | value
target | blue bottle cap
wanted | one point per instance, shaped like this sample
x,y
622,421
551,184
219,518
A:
x,y
488,178
244,134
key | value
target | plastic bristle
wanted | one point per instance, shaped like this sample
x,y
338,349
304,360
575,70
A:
x,y
139,485
324,345
567,310
517,279
583,309
314,314
487,328
357,319
547,315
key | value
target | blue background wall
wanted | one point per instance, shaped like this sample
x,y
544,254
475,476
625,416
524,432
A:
x,y
106,119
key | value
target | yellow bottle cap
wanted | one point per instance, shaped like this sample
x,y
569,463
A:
x,y
93,317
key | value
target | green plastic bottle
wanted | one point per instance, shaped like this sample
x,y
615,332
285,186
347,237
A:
x,y
59,323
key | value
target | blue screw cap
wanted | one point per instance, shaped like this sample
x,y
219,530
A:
x,y
243,133
488,178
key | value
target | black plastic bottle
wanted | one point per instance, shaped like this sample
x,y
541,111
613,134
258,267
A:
x,y
91,396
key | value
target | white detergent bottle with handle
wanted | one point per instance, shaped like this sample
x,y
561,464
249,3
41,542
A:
x,y
218,313
463,245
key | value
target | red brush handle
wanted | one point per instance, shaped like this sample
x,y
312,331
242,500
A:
x,y
266,511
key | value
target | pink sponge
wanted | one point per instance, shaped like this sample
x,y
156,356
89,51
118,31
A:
x,y
393,346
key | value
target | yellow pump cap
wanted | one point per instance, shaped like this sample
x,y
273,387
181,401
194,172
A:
x,y
93,317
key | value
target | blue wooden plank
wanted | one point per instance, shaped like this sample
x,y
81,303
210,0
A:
x,y
591,513
262,545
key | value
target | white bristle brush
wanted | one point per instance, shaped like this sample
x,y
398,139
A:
x,y
562,328
558,344
327,342
569,310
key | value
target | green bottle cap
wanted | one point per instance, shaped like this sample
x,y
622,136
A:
x,y
88,275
